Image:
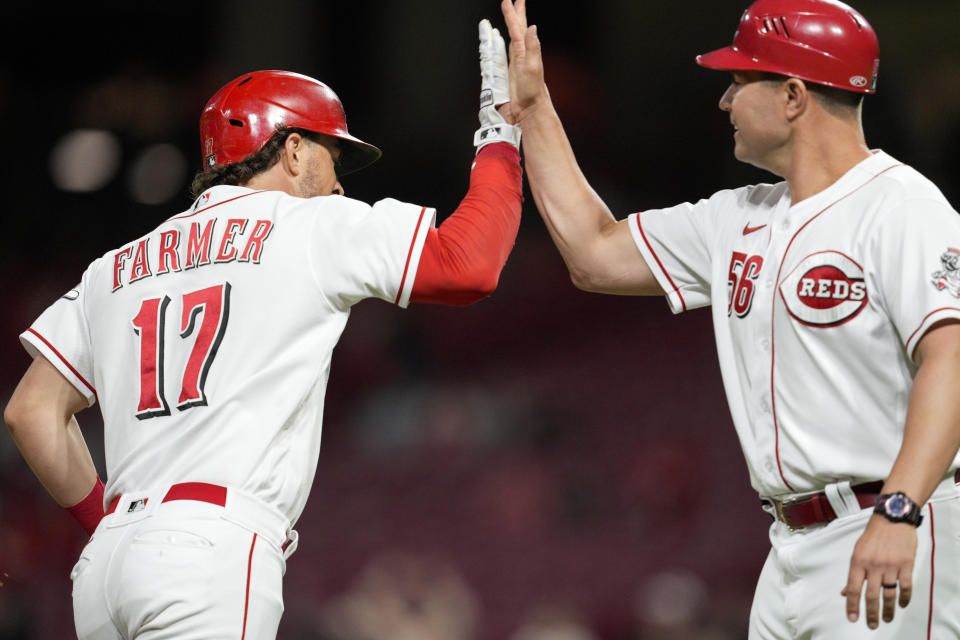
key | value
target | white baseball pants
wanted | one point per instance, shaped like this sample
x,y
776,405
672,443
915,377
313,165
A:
x,y
182,569
798,594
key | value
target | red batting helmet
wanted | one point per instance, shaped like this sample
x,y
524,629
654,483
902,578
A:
x,y
821,41
242,116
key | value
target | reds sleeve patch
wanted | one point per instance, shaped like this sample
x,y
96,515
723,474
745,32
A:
x,y
825,290
948,278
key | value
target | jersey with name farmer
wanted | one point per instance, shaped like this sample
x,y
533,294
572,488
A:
x,y
817,310
208,341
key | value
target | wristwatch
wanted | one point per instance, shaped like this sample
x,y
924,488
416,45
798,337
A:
x,y
898,507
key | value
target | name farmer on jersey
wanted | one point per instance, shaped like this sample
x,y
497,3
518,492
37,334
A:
x,y
239,240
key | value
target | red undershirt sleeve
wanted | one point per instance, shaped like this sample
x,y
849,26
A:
x,y
463,257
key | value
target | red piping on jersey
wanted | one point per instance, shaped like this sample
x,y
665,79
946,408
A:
x,y
416,233
660,264
69,366
214,205
922,322
933,547
246,597
773,318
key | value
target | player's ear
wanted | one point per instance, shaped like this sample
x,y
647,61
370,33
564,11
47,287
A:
x,y
796,98
292,155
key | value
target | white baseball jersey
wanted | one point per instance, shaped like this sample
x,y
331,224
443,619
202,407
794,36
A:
x,y
208,341
817,310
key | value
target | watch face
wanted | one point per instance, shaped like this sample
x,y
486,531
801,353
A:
x,y
897,506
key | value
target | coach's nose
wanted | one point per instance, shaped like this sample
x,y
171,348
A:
x,y
726,100
337,189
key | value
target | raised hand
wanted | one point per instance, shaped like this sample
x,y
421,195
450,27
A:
x,y
496,117
527,88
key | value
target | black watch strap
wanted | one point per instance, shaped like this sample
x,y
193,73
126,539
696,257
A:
x,y
898,507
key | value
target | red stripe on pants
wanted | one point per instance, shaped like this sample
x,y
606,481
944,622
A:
x,y
246,598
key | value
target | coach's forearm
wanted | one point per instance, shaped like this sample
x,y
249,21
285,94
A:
x,y
932,433
574,214
599,250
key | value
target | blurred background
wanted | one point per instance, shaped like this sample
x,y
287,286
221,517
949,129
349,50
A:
x,y
544,465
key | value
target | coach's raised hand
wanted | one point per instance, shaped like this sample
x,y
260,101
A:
x,y
527,88
599,251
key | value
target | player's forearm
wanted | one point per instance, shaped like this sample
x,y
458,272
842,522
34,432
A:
x,y
54,449
462,259
932,433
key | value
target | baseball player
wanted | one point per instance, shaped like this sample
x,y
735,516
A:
x,y
835,313
208,342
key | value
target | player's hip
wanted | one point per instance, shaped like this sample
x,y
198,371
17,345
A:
x,y
197,502
184,570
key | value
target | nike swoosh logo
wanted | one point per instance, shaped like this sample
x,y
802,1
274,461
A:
x,y
748,229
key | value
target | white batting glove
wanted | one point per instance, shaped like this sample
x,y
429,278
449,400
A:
x,y
494,90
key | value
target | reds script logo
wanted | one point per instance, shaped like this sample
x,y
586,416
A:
x,y
948,278
825,290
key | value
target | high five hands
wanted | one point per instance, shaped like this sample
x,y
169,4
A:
x,y
527,88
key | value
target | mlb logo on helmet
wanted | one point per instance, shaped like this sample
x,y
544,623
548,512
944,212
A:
x,y
825,290
209,157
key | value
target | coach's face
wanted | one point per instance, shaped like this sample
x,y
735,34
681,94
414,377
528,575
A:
x,y
761,130
319,177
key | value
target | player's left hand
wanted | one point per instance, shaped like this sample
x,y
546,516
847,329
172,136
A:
x,y
496,119
884,555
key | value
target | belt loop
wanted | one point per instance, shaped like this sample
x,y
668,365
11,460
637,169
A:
x,y
290,544
842,498
132,507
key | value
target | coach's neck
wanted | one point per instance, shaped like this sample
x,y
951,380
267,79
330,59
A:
x,y
826,141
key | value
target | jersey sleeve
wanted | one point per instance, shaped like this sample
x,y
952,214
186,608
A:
x,y
915,255
462,259
62,336
674,243
362,251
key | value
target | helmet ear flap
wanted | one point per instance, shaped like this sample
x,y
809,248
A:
x,y
821,41
243,115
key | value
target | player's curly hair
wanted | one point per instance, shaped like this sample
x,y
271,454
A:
x,y
242,171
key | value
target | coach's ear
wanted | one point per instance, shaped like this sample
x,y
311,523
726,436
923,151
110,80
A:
x,y
796,98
